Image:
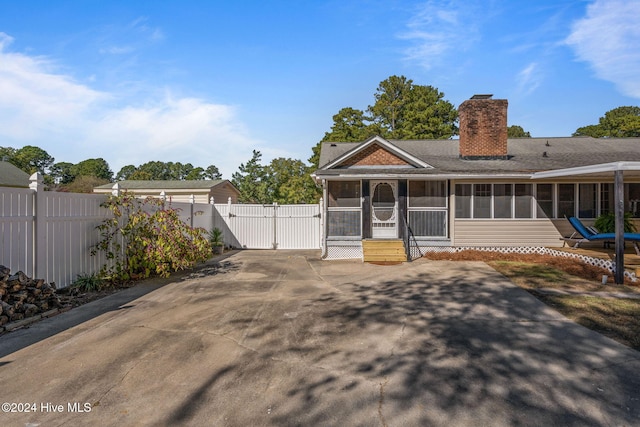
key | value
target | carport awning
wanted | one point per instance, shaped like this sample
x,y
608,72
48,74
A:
x,y
602,169
618,169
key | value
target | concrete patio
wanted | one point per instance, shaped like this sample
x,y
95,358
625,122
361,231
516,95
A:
x,y
281,338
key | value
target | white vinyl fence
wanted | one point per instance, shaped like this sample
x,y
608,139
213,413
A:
x,y
49,235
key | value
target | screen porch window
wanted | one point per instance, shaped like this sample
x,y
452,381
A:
x,y
587,201
524,200
463,200
482,201
344,212
566,200
427,208
502,200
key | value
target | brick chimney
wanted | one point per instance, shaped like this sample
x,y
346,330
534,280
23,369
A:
x,y
483,128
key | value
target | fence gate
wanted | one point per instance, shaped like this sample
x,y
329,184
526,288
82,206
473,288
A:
x,y
270,226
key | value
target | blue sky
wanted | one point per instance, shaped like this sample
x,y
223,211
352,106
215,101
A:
x,y
206,82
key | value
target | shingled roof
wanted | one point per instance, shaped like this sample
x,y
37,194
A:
x,y
525,156
202,184
12,176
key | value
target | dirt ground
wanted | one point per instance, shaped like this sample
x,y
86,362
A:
x,y
591,274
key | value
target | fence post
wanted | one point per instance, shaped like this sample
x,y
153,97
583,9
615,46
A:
x,y
115,190
320,224
275,225
39,227
192,200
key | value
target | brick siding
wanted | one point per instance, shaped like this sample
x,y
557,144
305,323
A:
x,y
374,155
483,128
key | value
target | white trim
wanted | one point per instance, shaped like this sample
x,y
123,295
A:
x,y
599,168
417,176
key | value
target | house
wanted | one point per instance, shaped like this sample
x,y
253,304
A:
x,y
12,176
475,191
178,191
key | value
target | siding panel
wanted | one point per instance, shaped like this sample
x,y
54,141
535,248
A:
x,y
508,233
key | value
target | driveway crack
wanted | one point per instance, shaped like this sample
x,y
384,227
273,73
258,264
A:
x,y
381,402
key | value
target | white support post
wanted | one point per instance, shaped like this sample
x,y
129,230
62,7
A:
x,y
39,267
192,200
212,201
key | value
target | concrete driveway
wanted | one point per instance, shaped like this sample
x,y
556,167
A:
x,y
281,338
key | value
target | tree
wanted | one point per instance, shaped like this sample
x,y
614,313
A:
x,y
195,174
83,184
98,168
61,172
620,122
291,182
7,153
402,110
426,115
212,172
515,131
391,98
348,126
126,172
252,181
32,159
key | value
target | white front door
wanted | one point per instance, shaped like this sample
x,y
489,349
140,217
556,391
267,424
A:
x,y
384,209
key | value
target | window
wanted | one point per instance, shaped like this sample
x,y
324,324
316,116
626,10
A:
x,y
502,200
544,199
482,201
606,198
587,200
344,194
463,200
632,199
566,200
523,200
428,194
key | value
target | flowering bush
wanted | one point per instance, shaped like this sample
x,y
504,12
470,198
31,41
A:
x,y
144,237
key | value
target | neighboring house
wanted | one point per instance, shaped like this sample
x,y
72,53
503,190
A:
x,y
477,191
178,191
12,176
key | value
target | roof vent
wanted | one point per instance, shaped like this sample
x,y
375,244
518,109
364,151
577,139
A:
x,y
545,154
547,144
333,145
485,96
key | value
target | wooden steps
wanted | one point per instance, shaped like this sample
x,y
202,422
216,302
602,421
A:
x,y
387,250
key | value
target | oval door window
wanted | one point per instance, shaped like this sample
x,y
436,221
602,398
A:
x,y
383,202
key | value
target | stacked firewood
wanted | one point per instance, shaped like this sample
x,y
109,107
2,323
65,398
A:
x,y
22,297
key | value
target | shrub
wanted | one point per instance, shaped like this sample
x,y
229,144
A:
x,y
606,223
144,237
88,282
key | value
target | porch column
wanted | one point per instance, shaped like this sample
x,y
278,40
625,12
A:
x,y
619,213
366,209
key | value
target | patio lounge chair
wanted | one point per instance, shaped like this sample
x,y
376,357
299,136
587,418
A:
x,y
589,234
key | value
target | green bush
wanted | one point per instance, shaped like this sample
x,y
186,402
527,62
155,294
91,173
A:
x,y
606,223
88,282
144,237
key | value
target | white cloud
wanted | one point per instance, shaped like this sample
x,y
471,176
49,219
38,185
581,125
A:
x,y
72,122
439,28
608,38
529,79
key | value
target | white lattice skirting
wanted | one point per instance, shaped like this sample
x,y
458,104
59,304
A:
x,y
343,252
598,262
